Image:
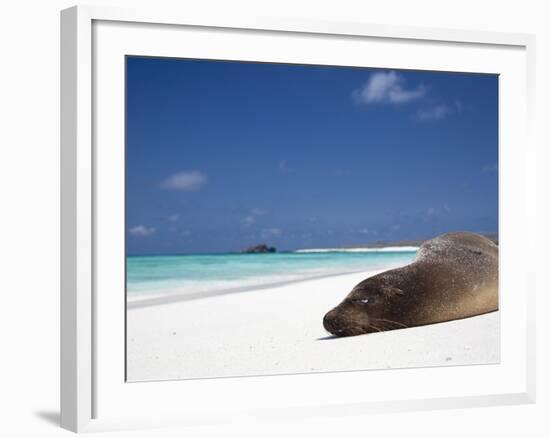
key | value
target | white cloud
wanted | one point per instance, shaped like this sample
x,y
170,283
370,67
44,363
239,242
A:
x,y
187,181
490,168
258,211
249,220
271,232
387,87
142,231
446,208
436,112
363,231
174,218
430,211
458,106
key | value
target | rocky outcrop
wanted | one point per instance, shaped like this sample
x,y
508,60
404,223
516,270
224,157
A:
x,y
259,249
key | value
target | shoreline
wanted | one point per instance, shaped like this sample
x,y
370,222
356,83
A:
x,y
181,297
358,248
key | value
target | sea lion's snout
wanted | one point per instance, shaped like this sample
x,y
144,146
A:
x,y
331,322
343,321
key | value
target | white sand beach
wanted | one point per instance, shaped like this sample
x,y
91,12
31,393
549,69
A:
x,y
279,330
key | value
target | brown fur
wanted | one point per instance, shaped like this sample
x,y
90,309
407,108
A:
x,y
453,276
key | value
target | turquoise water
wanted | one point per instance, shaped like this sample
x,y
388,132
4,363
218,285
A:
x,y
155,276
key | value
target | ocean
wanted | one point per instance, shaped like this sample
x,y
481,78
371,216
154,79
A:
x,y
197,275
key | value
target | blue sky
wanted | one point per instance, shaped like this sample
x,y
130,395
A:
x,y
222,155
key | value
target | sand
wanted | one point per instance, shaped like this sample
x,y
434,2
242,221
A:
x,y
279,330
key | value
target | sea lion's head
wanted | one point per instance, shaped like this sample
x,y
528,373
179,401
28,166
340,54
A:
x,y
368,308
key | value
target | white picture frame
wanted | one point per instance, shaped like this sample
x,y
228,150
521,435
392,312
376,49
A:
x,y
87,371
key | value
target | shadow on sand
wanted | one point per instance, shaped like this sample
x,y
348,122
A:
x,y
328,338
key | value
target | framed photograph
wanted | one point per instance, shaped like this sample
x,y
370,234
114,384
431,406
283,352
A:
x,y
261,217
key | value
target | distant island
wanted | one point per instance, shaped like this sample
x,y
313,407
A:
x,y
262,248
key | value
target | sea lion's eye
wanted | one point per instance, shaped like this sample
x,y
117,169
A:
x,y
368,300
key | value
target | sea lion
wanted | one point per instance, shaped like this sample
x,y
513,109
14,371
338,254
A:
x,y
453,276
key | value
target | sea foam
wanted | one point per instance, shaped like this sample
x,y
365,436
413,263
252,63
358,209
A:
x,y
382,249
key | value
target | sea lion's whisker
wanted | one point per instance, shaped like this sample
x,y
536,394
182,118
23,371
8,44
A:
x,y
379,328
389,321
383,324
375,327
